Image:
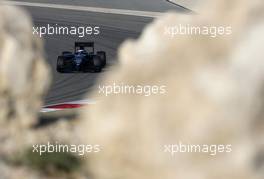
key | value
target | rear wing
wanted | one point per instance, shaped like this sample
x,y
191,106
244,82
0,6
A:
x,y
82,45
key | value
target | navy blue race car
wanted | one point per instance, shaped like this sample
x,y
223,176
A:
x,y
81,60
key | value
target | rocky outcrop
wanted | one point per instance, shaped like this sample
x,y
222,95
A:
x,y
24,79
23,73
214,95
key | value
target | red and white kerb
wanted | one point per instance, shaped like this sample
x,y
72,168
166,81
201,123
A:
x,y
66,105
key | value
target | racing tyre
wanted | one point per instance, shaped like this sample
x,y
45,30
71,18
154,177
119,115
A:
x,y
97,62
102,56
60,63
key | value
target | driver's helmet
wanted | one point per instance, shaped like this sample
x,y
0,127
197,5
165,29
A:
x,y
80,51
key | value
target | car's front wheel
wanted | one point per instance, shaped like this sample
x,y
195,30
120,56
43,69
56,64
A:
x,y
60,64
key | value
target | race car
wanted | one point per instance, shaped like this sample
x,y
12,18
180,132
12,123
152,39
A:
x,y
81,60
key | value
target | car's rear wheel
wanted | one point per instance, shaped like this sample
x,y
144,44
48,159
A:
x,y
97,64
102,56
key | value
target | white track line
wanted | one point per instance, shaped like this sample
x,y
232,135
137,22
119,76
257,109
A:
x,y
86,8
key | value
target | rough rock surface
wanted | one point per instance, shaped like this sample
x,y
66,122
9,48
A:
x,y
24,79
23,73
214,96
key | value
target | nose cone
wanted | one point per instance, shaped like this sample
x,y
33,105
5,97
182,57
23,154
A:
x,y
78,60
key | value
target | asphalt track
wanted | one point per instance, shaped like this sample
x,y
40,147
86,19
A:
x,y
141,5
114,30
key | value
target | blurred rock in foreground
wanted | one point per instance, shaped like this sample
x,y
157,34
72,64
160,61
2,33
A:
x,y
23,73
24,79
214,96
